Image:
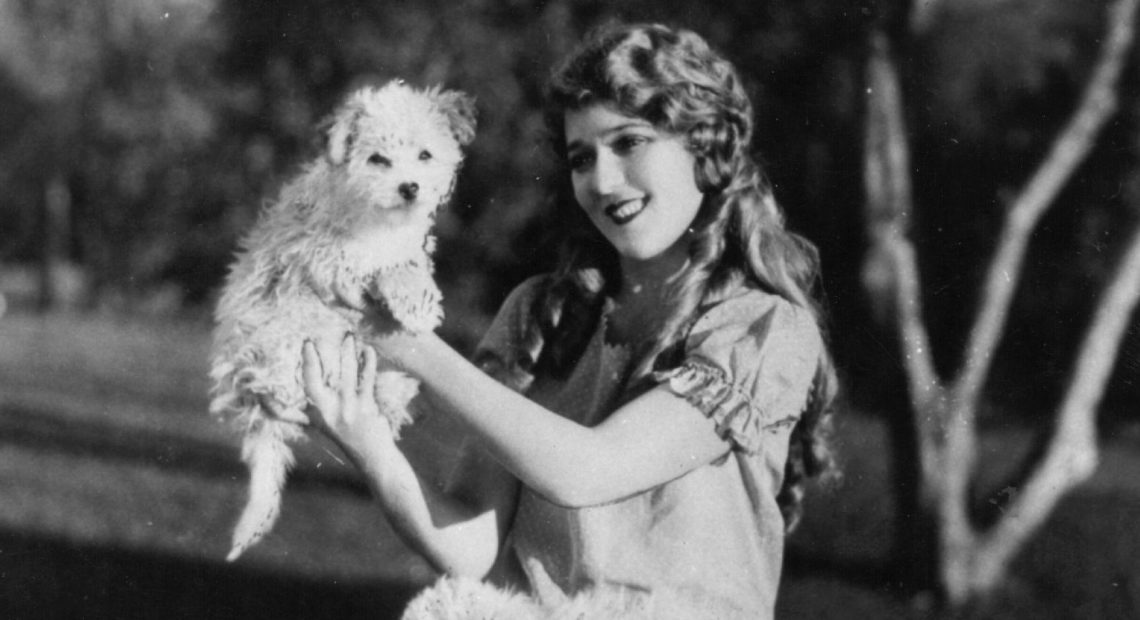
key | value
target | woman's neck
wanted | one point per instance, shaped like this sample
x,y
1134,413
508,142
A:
x,y
644,302
650,279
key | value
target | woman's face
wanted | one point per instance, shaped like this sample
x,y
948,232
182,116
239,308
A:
x,y
636,183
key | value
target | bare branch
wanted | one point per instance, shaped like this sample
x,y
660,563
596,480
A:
x,y
891,271
1097,106
1072,454
888,171
1102,343
972,562
925,386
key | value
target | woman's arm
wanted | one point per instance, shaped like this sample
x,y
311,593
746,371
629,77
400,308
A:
x,y
653,439
458,532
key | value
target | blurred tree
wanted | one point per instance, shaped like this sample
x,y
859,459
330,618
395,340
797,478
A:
x,y
967,561
47,77
117,95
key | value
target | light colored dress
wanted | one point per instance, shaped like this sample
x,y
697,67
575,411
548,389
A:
x,y
714,535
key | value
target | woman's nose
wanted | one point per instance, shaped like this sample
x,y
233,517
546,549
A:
x,y
608,174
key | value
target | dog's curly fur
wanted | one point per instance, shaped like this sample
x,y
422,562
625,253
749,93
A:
x,y
352,229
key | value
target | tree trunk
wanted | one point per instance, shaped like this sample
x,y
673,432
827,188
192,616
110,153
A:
x,y
888,202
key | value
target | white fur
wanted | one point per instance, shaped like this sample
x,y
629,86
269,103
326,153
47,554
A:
x,y
468,599
352,229
455,598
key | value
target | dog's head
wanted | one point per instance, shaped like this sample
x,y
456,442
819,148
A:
x,y
396,150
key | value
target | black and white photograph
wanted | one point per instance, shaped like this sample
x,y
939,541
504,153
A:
x,y
570,309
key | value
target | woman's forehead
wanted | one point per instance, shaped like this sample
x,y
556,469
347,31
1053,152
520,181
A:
x,y
597,121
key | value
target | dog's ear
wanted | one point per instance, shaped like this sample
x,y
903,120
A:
x,y
341,132
459,108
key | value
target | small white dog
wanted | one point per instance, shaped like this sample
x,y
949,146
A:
x,y
352,230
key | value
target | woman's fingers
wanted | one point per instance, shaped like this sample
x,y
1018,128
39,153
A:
x,y
349,368
329,352
368,373
312,368
313,374
337,403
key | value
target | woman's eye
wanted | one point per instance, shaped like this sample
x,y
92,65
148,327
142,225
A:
x,y
376,159
579,161
625,144
425,155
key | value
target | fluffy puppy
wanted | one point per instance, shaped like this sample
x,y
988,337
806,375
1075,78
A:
x,y
350,234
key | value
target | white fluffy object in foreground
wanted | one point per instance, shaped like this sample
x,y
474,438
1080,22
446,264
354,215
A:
x,y
351,230
456,598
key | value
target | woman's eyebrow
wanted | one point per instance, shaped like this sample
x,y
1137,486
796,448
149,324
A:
x,y
575,144
638,124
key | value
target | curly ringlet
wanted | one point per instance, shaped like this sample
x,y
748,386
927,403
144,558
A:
x,y
674,80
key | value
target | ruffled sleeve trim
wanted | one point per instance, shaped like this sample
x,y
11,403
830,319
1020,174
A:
x,y
706,387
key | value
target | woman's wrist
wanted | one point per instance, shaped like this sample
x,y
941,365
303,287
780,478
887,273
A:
x,y
368,444
413,353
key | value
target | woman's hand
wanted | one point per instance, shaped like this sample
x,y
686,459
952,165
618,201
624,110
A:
x,y
456,536
344,407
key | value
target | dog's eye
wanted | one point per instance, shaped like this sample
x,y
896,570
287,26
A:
x,y
379,160
425,155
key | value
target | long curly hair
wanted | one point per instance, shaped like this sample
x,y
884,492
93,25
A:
x,y
674,80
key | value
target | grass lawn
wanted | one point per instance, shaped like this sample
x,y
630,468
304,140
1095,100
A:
x,y
118,493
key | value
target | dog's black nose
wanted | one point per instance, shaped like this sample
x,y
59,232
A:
x,y
409,190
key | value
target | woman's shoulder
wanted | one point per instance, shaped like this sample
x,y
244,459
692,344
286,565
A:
x,y
748,363
758,312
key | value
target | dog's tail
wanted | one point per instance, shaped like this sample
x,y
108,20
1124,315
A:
x,y
266,451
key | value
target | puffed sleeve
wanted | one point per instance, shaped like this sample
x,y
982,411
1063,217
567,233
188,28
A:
x,y
749,364
500,352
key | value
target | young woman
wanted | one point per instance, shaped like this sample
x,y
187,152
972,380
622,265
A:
x,y
644,417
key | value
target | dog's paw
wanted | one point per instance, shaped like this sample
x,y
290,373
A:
x,y
411,296
423,313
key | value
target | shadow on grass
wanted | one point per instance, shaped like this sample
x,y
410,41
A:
x,y
45,430
45,578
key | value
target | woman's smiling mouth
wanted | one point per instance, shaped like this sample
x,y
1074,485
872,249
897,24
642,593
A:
x,y
624,211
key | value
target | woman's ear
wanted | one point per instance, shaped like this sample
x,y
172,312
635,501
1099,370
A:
x,y
342,133
459,109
